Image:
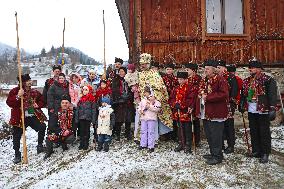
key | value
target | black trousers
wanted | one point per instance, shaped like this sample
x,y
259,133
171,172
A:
x,y
214,133
35,124
229,132
184,133
117,129
84,129
259,125
196,127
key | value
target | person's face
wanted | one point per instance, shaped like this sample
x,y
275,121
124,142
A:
x,y
221,69
169,70
209,71
85,90
75,79
144,66
155,68
29,83
152,98
61,79
103,85
65,104
189,71
182,81
56,72
254,71
92,75
129,71
147,94
117,65
104,104
121,73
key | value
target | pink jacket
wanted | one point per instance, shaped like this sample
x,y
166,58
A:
x,y
151,113
74,91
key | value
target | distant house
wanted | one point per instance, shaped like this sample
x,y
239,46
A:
x,y
184,30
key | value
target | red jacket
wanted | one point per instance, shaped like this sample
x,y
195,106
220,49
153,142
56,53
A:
x,y
216,102
15,105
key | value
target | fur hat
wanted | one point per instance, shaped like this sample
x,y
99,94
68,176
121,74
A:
x,y
119,60
25,77
222,63
145,58
209,62
183,75
254,63
106,100
55,67
131,67
191,66
66,97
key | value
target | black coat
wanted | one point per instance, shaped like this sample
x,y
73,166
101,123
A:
x,y
86,111
54,95
122,101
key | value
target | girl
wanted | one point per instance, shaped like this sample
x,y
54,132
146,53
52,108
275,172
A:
x,y
86,114
148,110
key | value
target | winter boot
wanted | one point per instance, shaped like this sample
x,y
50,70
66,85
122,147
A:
x,y
17,158
151,150
187,150
264,158
99,146
213,161
128,131
81,146
106,146
86,143
40,148
229,150
49,149
178,148
64,146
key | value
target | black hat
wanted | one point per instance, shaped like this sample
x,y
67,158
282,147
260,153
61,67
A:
x,y
66,97
222,63
255,64
118,60
123,68
191,66
155,64
24,77
183,75
170,66
62,74
231,68
212,63
55,67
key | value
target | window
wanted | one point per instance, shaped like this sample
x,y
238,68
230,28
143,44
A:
x,y
224,16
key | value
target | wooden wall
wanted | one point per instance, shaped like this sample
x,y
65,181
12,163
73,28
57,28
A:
x,y
173,30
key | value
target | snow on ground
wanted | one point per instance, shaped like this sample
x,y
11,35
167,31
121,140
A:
x,y
124,166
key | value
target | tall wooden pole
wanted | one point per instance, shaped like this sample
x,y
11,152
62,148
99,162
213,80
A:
x,y
104,76
25,150
62,61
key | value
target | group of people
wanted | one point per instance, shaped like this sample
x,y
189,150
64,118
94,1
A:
x,y
167,104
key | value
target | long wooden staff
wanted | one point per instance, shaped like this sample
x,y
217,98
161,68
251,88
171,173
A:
x,y
62,60
193,134
104,75
25,149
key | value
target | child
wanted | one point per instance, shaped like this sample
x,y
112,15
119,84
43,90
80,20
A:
x,y
181,102
105,124
62,132
85,115
148,110
103,91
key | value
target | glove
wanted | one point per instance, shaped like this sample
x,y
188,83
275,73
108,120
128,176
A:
x,y
272,115
177,106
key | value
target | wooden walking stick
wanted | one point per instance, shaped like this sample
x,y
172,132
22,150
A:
x,y
25,150
62,60
104,75
193,134
246,136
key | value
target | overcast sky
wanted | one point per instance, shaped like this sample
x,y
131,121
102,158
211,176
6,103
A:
x,y
41,25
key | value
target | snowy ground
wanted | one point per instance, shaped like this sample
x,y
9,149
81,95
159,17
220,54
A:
x,y
124,166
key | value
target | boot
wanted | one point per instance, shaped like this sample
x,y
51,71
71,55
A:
x,y
151,150
106,146
254,154
81,146
178,148
117,130
40,148
229,150
264,158
64,146
213,161
187,150
17,158
207,156
128,131
49,149
86,143
99,146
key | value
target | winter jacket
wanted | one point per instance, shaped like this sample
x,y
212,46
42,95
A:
x,y
152,112
46,87
74,91
55,93
86,109
15,103
106,120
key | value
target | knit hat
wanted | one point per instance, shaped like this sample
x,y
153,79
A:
x,y
106,100
145,58
24,77
118,60
131,67
54,67
183,75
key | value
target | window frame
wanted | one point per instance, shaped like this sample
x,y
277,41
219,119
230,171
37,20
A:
x,y
221,36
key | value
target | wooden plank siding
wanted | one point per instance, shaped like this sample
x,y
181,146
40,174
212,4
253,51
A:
x,y
175,30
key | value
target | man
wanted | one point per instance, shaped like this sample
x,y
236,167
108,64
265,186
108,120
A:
x,y
259,94
213,95
117,65
193,82
33,116
229,130
181,100
56,71
169,79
